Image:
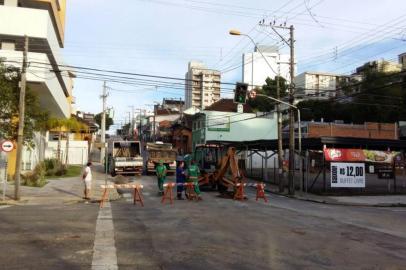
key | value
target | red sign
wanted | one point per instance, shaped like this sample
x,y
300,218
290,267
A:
x,y
337,154
7,146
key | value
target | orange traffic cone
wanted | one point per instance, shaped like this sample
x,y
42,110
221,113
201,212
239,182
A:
x,y
261,192
239,194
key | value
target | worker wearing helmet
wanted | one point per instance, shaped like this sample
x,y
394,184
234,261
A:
x,y
161,176
193,173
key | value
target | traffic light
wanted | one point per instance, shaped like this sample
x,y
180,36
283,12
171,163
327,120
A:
x,y
240,94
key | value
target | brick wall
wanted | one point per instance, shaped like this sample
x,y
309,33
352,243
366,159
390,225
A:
x,y
368,130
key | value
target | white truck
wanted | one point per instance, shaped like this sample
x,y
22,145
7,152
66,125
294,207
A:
x,y
125,157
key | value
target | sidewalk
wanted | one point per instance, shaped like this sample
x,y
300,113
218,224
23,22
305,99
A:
x,y
60,191
377,200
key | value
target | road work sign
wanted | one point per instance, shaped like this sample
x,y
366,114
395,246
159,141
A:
x,y
344,174
7,146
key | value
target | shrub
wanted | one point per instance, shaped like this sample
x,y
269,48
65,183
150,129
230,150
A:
x,y
54,167
36,178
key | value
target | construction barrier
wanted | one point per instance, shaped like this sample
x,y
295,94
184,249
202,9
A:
x,y
168,194
137,195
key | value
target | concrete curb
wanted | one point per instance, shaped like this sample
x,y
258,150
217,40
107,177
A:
x,y
329,202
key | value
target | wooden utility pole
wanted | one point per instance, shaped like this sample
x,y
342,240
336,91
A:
x,y
21,119
103,125
279,123
292,115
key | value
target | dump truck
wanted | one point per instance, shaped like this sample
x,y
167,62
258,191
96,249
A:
x,y
125,157
161,151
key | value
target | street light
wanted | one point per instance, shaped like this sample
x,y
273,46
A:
x,y
235,32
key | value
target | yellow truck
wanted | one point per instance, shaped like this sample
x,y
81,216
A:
x,y
161,151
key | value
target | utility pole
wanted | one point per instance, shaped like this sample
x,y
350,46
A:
x,y
292,115
280,146
291,44
139,131
132,124
155,107
21,119
103,125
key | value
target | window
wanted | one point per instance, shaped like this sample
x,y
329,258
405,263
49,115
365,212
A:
x,y
8,46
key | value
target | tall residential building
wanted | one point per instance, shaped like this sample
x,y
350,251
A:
x,y
202,87
317,84
256,70
321,85
43,22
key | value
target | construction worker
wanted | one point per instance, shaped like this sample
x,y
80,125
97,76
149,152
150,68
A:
x,y
161,176
180,179
193,173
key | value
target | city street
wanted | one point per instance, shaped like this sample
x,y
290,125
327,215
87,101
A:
x,y
216,233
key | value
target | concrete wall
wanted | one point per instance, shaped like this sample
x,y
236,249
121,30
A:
x,y
78,151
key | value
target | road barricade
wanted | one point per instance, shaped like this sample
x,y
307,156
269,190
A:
x,y
168,194
137,193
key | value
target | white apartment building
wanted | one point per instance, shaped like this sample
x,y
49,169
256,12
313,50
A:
x,y
43,22
320,85
202,86
255,69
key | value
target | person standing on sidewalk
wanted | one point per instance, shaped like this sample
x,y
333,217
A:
x,y
193,173
161,175
180,179
87,179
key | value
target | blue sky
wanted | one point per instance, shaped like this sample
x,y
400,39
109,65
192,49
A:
x,y
159,37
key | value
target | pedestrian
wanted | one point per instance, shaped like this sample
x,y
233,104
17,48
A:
x,y
87,179
161,175
193,173
180,179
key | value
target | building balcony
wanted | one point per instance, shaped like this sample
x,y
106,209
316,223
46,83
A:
x,y
42,81
18,22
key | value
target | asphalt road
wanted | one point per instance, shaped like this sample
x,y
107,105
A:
x,y
215,233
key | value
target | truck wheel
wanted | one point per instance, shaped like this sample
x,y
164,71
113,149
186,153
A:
x,y
113,173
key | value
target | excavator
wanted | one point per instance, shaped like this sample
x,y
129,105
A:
x,y
227,174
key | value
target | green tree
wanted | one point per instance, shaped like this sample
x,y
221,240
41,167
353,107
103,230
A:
x,y
35,116
379,97
269,88
109,120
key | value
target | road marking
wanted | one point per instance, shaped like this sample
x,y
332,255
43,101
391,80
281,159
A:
x,y
104,250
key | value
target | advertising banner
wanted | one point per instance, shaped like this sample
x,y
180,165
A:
x,y
345,174
360,155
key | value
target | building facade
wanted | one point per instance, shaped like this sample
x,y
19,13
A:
x,y
382,65
202,86
319,85
43,22
222,122
402,60
256,70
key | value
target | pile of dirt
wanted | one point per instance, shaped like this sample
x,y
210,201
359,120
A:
x,y
119,179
